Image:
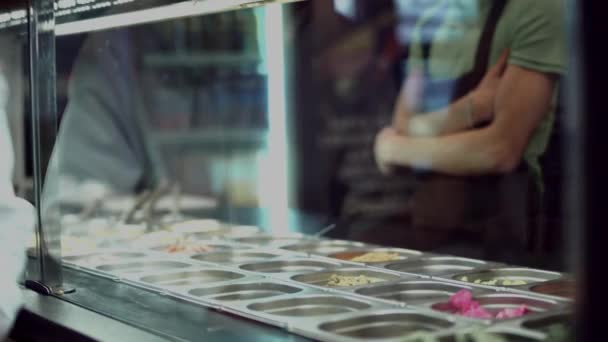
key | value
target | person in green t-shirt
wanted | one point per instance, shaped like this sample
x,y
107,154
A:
x,y
517,98
486,132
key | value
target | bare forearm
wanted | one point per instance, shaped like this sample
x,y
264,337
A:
x,y
459,116
522,101
459,154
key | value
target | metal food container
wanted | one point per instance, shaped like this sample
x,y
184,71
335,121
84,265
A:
x,y
136,267
439,266
236,257
512,277
206,246
290,266
384,325
191,278
244,291
310,306
321,279
562,288
398,254
495,302
324,247
414,292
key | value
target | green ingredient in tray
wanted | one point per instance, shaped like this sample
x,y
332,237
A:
x,y
477,335
558,333
347,281
495,282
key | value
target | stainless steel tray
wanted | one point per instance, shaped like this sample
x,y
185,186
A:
x,y
290,266
321,279
237,257
439,266
243,292
289,290
414,292
325,247
494,302
402,254
198,277
317,305
381,325
528,275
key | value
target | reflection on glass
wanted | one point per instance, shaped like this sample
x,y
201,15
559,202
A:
x,y
426,121
473,118
166,119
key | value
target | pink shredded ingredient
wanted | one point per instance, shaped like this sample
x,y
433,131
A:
x,y
461,300
476,312
512,313
463,304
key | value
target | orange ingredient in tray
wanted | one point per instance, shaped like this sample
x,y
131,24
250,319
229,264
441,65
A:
x,y
346,255
367,256
188,247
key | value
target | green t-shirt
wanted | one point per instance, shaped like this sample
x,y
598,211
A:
x,y
534,31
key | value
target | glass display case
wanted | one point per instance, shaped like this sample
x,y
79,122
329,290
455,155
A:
x,y
335,170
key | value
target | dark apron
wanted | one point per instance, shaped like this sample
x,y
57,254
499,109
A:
x,y
428,210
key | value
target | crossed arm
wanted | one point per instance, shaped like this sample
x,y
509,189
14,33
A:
x,y
523,98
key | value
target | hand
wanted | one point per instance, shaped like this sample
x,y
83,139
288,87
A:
x,y
384,149
409,100
485,94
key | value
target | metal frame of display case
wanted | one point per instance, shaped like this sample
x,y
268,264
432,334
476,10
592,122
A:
x,y
41,36
47,273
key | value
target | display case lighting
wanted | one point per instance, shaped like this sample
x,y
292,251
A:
x,y
142,16
63,12
65,3
274,178
18,14
102,5
171,11
81,9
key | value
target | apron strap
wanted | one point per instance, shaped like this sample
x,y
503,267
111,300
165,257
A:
x,y
484,48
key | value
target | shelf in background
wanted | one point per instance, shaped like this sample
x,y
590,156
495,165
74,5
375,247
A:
x,y
202,59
